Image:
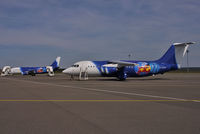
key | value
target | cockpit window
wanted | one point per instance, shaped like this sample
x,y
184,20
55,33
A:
x,y
75,65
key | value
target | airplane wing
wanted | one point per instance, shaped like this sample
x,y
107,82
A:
x,y
123,63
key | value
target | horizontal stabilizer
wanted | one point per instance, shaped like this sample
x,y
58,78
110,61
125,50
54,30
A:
x,y
187,43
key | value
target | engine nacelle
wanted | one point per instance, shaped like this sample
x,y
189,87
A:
x,y
109,69
6,71
50,70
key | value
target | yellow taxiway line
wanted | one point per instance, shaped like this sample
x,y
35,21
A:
x,y
99,100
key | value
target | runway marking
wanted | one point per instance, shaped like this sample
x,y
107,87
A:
x,y
106,91
98,100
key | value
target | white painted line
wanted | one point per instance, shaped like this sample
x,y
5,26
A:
x,y
102,90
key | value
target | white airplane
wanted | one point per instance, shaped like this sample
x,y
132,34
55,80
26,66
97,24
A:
x,y
7,70
122,69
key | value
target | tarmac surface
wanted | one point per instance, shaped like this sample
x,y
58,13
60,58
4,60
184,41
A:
x,y
164,104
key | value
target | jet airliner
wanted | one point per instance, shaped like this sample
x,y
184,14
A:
x,y
7,70
123,69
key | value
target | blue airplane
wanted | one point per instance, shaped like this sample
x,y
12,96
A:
x,y
122,69
7,70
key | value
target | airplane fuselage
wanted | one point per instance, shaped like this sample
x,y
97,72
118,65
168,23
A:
x,y
7,70
122,69
106,69
28,70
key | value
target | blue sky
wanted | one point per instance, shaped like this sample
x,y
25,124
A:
x,y
34,32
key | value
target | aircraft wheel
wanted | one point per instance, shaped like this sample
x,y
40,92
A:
x,y
32,73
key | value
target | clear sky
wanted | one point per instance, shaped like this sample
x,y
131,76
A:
x,y
35,32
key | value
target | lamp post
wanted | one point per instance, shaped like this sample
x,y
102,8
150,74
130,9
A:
x,y
187,60
129,56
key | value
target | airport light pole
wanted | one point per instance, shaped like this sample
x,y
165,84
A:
x,y
187,60
129,56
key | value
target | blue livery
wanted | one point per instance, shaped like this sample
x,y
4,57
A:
x,y
123,69
40,70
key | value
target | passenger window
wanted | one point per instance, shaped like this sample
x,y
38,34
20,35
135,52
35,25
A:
x,y
75,65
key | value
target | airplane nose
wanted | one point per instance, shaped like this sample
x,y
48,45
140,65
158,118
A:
x,y
67,71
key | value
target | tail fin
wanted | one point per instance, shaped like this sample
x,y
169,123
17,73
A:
x,y
175,53
56,63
